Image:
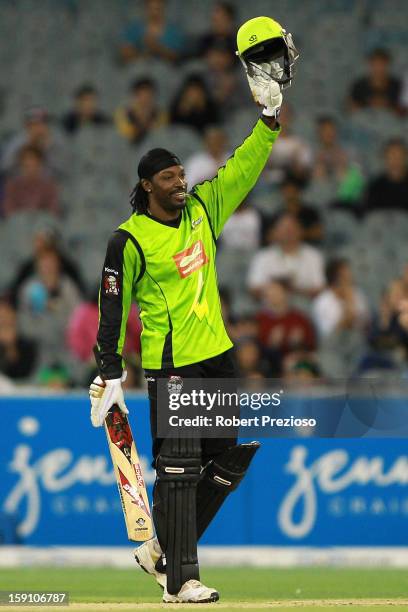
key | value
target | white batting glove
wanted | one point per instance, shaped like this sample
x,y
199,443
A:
x,y
266,92
103,395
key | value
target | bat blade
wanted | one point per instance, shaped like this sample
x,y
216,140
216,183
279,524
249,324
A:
x,y
129,477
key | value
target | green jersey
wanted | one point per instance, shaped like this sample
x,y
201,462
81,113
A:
x,y
169,270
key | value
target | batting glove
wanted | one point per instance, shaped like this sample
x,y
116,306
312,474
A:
x,y
266,92
103,395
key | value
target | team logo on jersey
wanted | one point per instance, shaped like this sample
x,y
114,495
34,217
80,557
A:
x,y
175,385
196,222
110,285
191,259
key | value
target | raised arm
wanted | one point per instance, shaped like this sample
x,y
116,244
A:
x,y
223,194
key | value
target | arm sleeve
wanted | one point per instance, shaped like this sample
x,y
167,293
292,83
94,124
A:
x,y
120,271
224,193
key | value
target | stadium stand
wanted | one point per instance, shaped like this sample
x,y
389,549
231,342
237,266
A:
x,y
100,166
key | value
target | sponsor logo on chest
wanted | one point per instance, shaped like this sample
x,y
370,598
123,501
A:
x,y
191,259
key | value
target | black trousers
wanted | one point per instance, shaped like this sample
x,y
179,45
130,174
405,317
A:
x,y
221,366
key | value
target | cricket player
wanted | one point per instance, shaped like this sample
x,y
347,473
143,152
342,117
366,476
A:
x,y
163,257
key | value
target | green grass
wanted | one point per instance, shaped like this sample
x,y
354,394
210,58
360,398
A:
x,y
235,584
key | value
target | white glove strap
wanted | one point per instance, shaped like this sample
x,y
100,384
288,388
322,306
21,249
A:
x,y
271,112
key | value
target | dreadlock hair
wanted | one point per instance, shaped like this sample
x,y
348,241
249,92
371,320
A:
x,y
139,199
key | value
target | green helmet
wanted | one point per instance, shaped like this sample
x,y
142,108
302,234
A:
x,y
262,41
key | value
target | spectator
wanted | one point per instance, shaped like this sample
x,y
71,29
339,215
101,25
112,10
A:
x,y
379,88
193,105
45,304
300,368
289,259
243,230
142,114
404,95
388,337
290,154
334,164
85,111
249,359
244,326
308,217
331,159
397,299
225,79
282,328
55,377
401,287
152,37
204,165
223,29
45,239
342,305
18,354
83,326
389,190
341,317
398,308
37,133
32,189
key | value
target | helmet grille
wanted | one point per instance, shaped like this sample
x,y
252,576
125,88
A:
x,y
266,51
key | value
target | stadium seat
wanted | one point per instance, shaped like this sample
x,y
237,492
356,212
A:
x,y
182,140
341,228
101,167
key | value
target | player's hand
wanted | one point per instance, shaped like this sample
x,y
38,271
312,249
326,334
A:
x,y
104,394
266,92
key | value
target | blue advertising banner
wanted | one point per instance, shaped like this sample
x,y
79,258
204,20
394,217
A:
x,y
57,485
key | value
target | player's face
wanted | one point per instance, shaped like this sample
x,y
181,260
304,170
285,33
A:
x,y
169,188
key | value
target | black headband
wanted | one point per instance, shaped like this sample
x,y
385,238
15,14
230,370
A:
x,y
156,160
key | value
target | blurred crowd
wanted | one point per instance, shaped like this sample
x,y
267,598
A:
x,y
297,310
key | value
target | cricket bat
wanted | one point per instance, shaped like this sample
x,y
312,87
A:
x,y
129,477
